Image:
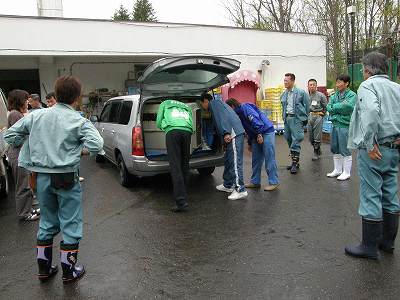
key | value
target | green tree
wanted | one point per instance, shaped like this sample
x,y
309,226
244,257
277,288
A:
x,y
143,11
121,14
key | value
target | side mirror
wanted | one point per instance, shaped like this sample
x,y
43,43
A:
x,y
94,119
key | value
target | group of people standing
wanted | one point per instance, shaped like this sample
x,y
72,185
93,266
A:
x,y
368,122
302,109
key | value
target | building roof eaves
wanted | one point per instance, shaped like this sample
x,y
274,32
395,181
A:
x,y
162,24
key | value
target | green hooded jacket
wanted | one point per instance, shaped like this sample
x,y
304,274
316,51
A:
x,y
173,114
340,108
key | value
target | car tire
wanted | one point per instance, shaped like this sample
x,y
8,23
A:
x,y
100,159
125,178
206,171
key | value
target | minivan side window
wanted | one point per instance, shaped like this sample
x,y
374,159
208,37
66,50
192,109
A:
x,y
104,117
125,112
114,111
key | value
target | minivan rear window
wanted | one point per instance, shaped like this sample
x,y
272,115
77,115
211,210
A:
x,y
181,75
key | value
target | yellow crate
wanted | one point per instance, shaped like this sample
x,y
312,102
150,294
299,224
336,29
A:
x,y
273,95
264,104
217,90
273,89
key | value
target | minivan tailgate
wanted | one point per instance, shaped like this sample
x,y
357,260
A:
x,y
186,75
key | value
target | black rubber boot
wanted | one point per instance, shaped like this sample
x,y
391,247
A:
x,y
371,235
180,207
317,151
295,162
390,227
69,257
44,254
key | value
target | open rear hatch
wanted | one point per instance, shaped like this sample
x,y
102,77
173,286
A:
x,y
185,75
184,79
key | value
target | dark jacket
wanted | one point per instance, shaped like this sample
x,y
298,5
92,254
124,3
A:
x,y
253,120
225,119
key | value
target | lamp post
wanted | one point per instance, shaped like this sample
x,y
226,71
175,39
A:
x,y
351,11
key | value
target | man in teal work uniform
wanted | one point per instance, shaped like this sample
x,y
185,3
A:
x,y
53,140
295,110
175,119
340,108
317,112
375,132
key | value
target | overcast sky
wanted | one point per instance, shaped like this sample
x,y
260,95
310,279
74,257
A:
x,y
179,11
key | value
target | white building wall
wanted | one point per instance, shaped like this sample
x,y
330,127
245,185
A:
x,y
68,40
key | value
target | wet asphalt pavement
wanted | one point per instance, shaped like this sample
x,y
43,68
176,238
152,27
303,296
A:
x,y
286,244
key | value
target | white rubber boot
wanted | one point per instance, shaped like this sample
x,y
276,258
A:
x,y
347,162
338,165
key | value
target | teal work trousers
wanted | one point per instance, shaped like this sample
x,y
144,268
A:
x,y
378,183
339,137
60,210
294,133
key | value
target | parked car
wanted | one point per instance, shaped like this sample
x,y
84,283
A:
x,y
127,123
3,147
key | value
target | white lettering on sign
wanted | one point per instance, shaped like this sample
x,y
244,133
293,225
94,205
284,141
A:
x,y
179,114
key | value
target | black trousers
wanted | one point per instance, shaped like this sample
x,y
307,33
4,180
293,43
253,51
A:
x,y
178,148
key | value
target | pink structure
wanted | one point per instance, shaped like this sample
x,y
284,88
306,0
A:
x,y
242,86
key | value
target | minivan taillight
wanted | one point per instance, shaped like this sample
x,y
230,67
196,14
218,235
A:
x,y
137,141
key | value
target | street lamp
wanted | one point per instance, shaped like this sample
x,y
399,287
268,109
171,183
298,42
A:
x,y
351,11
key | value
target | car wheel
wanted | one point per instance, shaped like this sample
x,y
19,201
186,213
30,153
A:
x,y
206,171
124,176
100,158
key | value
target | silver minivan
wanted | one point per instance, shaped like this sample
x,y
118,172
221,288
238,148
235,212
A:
x,y
127,123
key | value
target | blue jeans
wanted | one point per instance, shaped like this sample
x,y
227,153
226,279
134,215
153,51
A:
x,y
264,153
339,137
378,183
233,164
60,210
207,129
294,133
